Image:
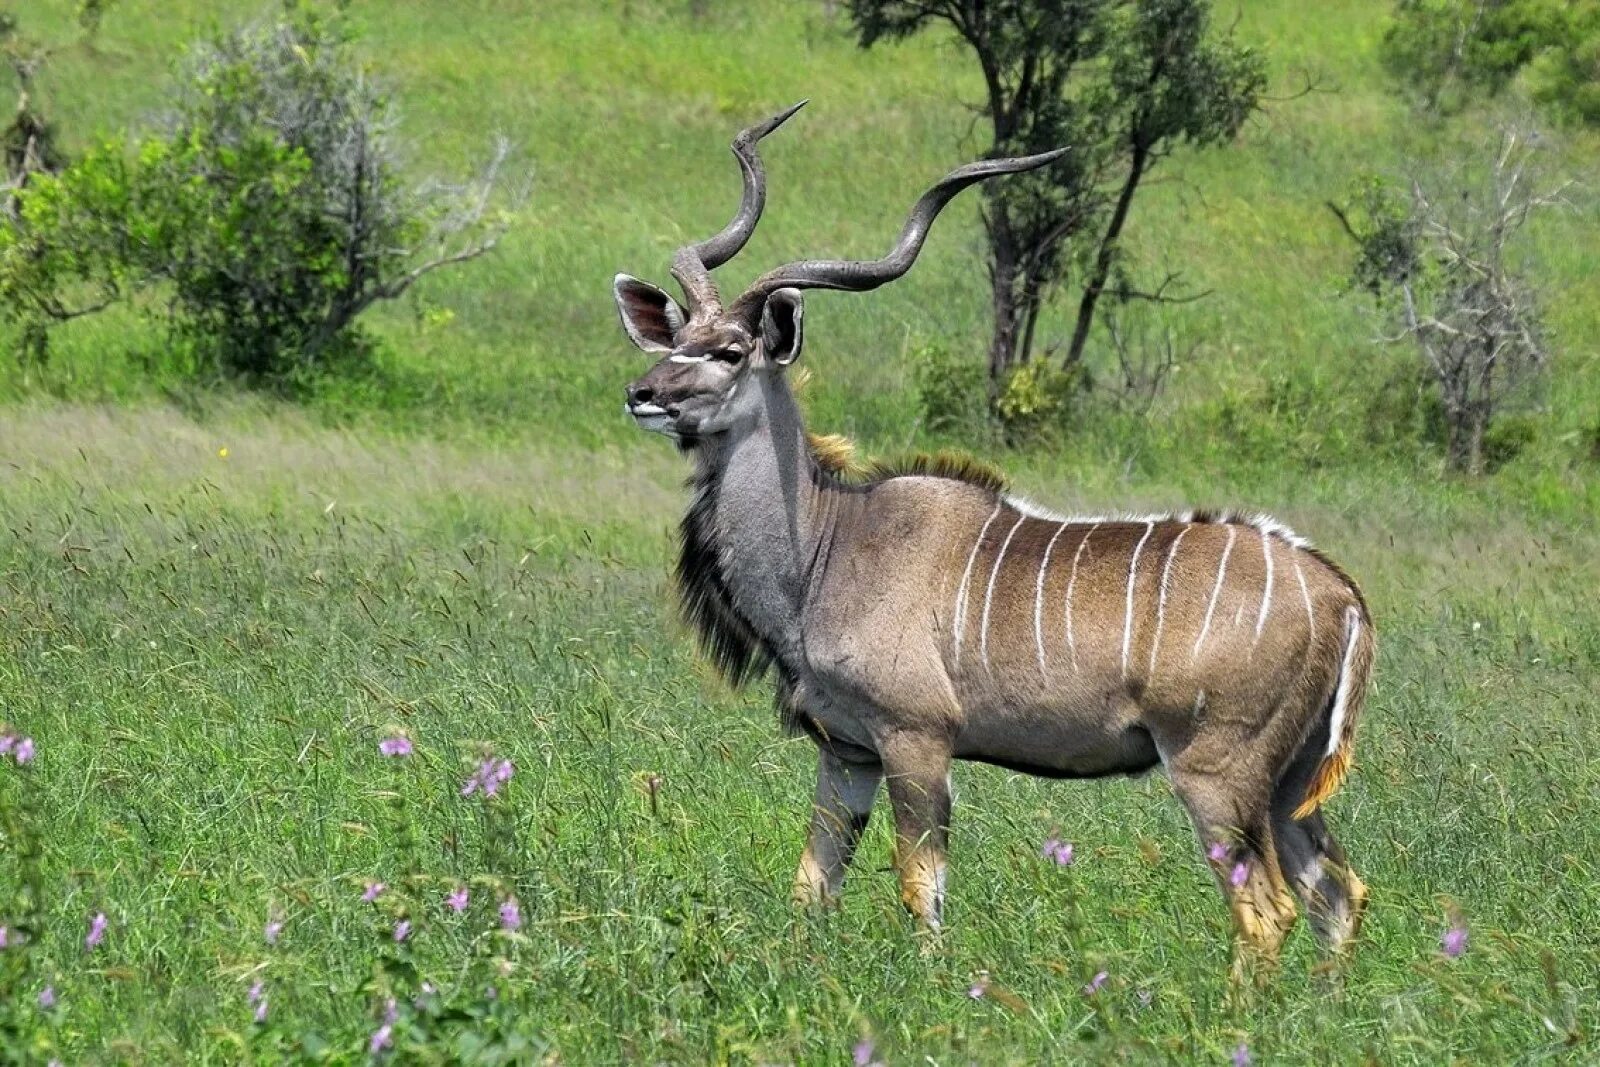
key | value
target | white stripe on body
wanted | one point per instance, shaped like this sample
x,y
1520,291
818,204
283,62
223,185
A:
x,y
1127,616
1216,591
1266,592
1038,602
966,578
1341,695
1072,580
1305,594
1161,601
988,596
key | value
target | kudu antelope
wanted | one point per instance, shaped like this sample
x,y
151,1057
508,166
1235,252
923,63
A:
x,y
921,615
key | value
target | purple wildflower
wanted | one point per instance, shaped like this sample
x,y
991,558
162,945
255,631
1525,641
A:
x,y
391,1011
381,1039
489,777
1217,852
271,931
1240,875
978,989
1454,942
261,1010
257,992
7,743
1241,1055
402,929
864,1054
372,892
395,746
23,753
5,937
1095,984
510,915
457,900
47,998
97,930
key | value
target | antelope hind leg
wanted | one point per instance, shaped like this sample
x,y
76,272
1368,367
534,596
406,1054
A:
x,y
1321,876
845,795
1235,814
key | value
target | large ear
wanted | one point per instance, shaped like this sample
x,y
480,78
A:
x,y
651,317
783,326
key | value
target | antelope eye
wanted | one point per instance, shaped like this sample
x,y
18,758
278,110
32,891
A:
x,y
727,355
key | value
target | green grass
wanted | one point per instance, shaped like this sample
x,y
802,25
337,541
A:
x,y
207,650
471,545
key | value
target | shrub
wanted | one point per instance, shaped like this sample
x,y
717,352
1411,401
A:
x,y
1038,398
267,217
952,392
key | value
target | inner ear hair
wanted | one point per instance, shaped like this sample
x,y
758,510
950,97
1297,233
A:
x,y
651,318
783,326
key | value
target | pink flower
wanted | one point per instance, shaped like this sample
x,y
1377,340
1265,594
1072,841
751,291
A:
x,y
391,1011
1454,942
47,998
510,916
489,777
372,892
395,746
5,937
7,743
97,930
457,900
257,998
1095,984
402,929
271,931
1240,875
23,753
381,1039
863,1054
1241,1055
978,989
1217,852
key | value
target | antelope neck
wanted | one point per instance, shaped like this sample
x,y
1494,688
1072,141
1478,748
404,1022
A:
x,y
766,513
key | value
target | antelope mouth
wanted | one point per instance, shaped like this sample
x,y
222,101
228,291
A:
x,y
654,418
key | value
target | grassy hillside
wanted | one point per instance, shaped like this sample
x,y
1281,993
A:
x,y
212,608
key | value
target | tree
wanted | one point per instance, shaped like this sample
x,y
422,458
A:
x,y
1123,83
1435,257
1448,51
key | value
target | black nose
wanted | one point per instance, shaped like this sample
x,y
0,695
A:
x,y
640,394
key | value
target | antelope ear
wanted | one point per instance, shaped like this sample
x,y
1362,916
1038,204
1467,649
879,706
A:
x,y
783,326
651,317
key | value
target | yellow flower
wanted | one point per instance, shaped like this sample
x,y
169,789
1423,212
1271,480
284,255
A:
x,y
222,453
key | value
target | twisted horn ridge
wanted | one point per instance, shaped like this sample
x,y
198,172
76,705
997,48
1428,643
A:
x,y
862,275
692,264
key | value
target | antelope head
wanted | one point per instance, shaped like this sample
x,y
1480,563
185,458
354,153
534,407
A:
x,y
708,349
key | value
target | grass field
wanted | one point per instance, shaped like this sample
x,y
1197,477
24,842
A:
x,y
212,609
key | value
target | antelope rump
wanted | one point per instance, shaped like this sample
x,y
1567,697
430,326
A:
x,y
918,615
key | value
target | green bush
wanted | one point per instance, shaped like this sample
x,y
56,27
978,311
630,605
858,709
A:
x,y
1506,438
262,223
952,392
1038,399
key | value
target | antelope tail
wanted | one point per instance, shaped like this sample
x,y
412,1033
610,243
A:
x,y
1350,692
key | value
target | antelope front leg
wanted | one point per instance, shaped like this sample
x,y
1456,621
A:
x,y
845,795
918,773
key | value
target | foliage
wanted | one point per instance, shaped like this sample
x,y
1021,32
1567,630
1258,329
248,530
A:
x,y
1448,50
1122,84
267,218
1435,257
1037,400
950,392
